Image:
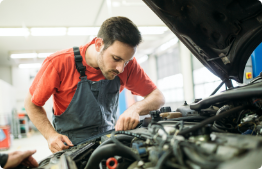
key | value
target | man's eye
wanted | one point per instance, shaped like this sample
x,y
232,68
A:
x,y
116,59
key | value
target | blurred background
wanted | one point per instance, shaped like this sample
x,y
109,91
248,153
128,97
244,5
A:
x,y
31,30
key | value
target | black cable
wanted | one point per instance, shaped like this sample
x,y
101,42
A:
x,y
137,157
215,129
240,115
211,120
171,164
162,159
198,159
176,123
222,127
219,126
178,153
131,134
198,156
126,138
158,124
182,125
189,118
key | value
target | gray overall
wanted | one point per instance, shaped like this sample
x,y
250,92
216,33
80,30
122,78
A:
x,y
92,109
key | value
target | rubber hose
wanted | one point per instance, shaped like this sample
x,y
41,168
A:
x,y
118,137
198,118
108,151
162,159
123,147
211,119
197,159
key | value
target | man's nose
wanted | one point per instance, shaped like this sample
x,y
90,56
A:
x,y
120,67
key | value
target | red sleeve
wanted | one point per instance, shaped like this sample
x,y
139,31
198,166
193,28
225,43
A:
x,y
137,80
45,83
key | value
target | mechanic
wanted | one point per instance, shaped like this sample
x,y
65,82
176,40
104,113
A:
x,y
85,83
16,158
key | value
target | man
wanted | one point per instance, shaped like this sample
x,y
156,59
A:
x,y
85,83
13,159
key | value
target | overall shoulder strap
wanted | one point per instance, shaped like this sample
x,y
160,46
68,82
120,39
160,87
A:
x,y
78,60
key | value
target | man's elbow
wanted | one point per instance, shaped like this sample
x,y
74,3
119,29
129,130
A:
x,y
161,98
28,103
158,97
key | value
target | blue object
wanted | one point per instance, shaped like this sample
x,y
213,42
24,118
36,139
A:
x,y
249,132
139,147
2,135
257,60
122,102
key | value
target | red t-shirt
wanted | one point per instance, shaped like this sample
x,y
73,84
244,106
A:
x,y
59,76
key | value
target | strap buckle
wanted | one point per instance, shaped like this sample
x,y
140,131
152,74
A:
x,y
81,70
78,58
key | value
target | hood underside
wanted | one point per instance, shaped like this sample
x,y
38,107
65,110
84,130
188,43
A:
x,y
221,34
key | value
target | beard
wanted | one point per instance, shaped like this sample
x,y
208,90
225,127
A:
x,y
108,74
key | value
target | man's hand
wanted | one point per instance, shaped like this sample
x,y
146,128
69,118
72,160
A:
x,y
56,142
21,157
128,120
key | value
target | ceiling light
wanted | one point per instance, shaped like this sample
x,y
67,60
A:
x,y
83,31
48,31
14,32
142,59
23,55
116,4
132,3
43,55
30,65
152,30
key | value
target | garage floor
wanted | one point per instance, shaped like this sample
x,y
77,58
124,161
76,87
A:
x,y
35,141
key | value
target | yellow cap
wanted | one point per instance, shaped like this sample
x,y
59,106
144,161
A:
x,y
248,75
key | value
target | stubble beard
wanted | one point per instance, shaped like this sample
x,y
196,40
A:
x,y
107,74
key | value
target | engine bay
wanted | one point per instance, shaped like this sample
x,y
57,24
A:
x,y
221,131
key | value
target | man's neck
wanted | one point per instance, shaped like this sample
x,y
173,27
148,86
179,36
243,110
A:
x,y
91,56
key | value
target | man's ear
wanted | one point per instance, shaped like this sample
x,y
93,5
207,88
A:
x,y
99,44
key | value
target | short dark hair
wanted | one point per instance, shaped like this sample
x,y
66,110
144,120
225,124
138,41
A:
x,y
119,29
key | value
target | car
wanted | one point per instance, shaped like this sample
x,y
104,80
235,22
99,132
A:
x,y
222,131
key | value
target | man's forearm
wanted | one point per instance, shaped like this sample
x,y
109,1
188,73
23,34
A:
x,y
38,116
153,101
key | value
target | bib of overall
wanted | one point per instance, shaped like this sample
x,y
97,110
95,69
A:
x,y
92,109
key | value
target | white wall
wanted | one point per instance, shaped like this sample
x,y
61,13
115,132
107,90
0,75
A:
x,y
22,80
6,74
7,95
7,102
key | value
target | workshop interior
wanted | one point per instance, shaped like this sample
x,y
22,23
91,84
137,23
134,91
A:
x,y
204,56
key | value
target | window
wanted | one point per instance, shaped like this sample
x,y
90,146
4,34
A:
x,y
170,78
172,88
168,63
204,81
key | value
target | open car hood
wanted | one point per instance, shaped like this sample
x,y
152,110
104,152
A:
x,y
221,34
